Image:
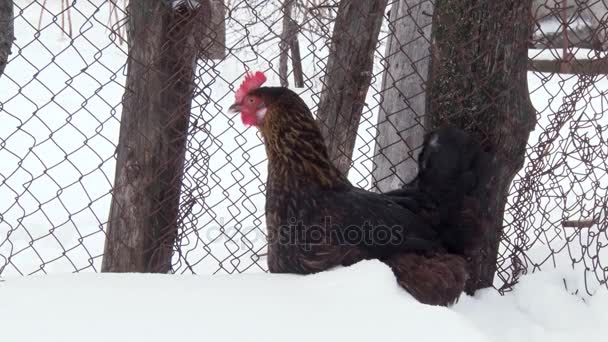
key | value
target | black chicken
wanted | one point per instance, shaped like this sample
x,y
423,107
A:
x,y
453,173
317,220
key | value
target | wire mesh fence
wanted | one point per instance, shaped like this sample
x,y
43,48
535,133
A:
x,y
65,85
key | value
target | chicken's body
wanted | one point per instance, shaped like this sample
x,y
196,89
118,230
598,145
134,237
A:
x,y
316,219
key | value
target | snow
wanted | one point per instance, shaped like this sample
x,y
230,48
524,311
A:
x,y
61,107
549,26
357,303
60,114
538,309
568,185
557,54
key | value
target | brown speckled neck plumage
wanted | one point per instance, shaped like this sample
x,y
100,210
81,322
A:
x,y
296,152
301,182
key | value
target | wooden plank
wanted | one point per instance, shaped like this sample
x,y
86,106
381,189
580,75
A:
x,y
577,66
578,224
401,119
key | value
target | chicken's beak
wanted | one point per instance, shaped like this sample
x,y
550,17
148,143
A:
x,y
235,108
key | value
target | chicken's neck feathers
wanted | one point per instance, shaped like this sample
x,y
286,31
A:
x,y
297,155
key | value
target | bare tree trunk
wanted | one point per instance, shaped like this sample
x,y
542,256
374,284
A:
x,y
289,41
213,33
7,34
349,72
156,106
401,120
479,83
286,38
296,58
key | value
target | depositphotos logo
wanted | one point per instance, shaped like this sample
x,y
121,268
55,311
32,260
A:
x,y
295,232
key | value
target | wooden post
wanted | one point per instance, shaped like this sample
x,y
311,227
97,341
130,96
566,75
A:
x,y
402,115
566,58
156,106
286,38
349,72
296,58
289,42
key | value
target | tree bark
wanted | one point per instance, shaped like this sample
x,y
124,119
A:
x,y
287,35
479,83
143,218
402,116
349,72
7,34
296,58
213,31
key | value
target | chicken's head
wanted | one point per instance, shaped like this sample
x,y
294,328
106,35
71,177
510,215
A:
x,y
272,110
251,106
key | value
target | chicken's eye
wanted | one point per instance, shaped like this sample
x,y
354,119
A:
x,y
251,100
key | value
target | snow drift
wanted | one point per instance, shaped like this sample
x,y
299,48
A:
x,y
357,303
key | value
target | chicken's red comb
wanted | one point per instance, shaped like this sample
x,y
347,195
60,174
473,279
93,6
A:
x,y
252,81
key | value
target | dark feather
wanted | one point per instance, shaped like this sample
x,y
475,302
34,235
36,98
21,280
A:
x,y
434,280
317,220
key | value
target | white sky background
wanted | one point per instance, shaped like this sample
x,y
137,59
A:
x,y
60,119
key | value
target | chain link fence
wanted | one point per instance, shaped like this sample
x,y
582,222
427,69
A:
x,y
63,90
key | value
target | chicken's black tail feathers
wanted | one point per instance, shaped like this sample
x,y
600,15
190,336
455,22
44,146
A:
x,y
454,177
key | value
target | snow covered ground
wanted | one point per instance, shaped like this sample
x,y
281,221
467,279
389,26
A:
x,y
61,107
358,303
60,114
